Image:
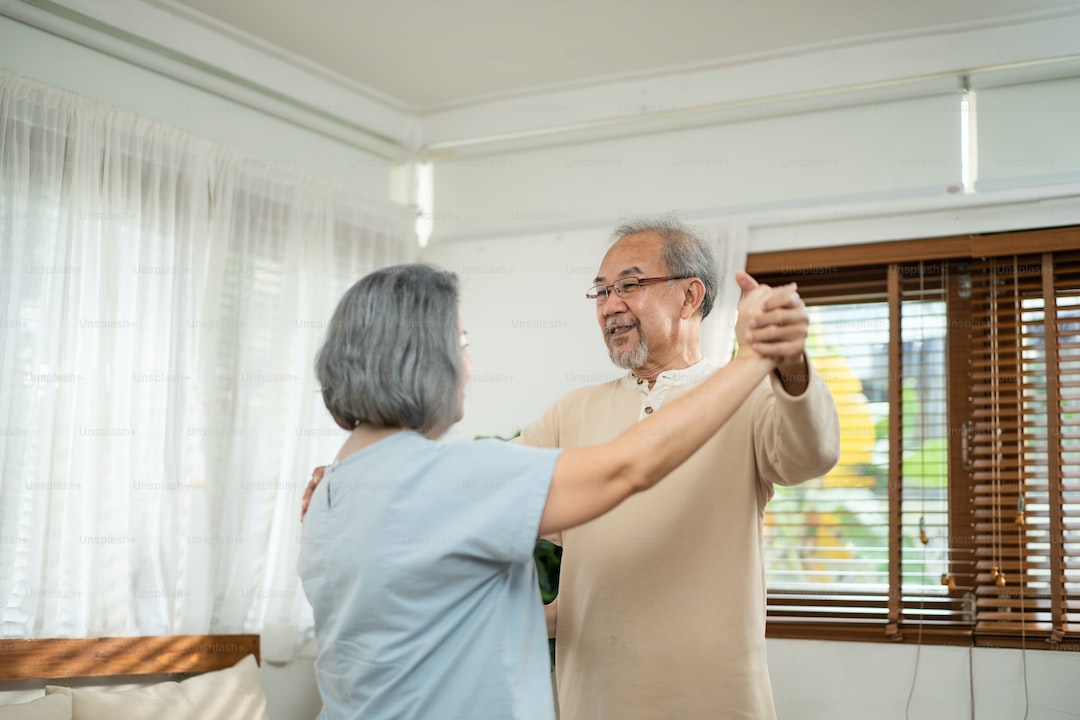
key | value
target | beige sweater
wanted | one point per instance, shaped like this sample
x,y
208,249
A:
x,y
662,601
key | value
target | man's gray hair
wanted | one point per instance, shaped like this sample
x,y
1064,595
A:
x,y
392,354
685,253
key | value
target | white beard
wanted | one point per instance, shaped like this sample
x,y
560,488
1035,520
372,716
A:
x,y
632,358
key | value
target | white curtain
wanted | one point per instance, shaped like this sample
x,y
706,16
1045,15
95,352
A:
x,y
161,303
730,242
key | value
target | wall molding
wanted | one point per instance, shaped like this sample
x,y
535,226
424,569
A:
x,y
178,48
179,42
189,46
784,226
1034,50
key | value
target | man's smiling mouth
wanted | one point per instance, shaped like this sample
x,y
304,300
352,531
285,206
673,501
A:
x,y
620,329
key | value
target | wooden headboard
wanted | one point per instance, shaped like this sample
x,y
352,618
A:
x,y
54,658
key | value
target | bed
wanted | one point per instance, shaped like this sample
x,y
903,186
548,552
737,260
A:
x,y
179,677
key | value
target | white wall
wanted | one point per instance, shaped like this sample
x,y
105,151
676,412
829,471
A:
x,y
759,170
1028,134
815,680
855,174
291,692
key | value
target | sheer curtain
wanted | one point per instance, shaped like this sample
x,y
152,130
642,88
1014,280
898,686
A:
x,y
730,242
161,302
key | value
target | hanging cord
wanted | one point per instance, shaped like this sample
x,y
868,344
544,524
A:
x,y
947,578
948,546
996,574
1023,622
918,649
971,678
924,537
1020,503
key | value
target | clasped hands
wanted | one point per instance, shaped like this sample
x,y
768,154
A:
x,y
773,323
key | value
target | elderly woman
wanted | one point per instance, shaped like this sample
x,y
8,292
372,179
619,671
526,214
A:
x,y
417,555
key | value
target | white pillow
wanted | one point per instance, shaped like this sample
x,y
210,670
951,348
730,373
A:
x,y
50,707
234,693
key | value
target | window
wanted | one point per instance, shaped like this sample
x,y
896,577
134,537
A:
x,y
954,514
161,300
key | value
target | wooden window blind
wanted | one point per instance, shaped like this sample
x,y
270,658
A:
x,y
957,381
1024,446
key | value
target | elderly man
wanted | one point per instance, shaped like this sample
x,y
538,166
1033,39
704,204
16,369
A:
x,y
661,608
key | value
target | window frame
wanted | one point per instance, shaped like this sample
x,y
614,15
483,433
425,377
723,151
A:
x,y
820,267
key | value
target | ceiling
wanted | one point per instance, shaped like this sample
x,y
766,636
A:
x,y
427,55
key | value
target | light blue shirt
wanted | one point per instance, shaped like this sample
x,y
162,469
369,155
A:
x,y
417,557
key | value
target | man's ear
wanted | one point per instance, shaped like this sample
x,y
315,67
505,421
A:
x,y
693,296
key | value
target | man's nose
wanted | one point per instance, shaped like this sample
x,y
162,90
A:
x,y
613,305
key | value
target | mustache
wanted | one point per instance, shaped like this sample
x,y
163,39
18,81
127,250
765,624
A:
x,y
620,321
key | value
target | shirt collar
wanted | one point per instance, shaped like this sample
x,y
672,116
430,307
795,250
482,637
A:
x,y
672,378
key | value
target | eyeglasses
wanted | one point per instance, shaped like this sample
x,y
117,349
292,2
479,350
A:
x,y
625,287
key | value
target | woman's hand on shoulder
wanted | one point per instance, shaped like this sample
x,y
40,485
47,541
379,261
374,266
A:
x,y
316,478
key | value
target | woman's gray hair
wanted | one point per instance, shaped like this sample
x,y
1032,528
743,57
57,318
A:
x,y
685,253
392,354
